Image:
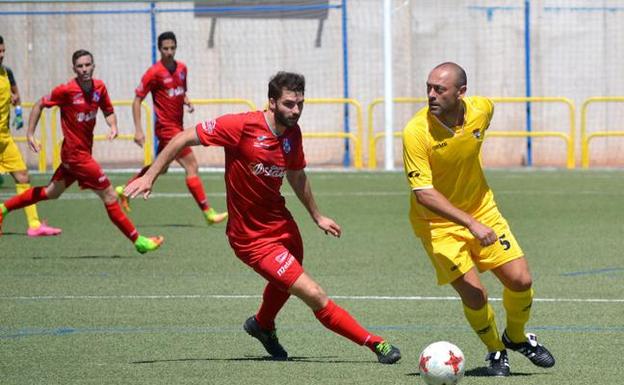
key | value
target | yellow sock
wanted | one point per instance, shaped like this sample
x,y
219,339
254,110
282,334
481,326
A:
x,y
518,307
31,211
484,324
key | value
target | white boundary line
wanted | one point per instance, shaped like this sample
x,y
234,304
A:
x,y
242,296
156,195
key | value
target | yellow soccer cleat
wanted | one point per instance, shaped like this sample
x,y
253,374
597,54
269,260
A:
x,y
213,217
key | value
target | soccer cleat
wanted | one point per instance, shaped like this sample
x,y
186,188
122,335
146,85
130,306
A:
x,y
124,201
499,364
213,217
386,353
43,230
268,338
145,244
538,354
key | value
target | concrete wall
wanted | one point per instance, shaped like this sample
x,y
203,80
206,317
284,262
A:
x,y
575,53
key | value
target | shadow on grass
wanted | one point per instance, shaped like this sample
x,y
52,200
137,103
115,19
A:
x,y
482,372
88,257
172,225
319,359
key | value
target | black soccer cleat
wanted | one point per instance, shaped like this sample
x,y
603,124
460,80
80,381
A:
x,y
499,364
538,354
268,338
386,353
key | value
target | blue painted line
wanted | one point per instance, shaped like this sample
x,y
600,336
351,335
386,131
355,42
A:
x,y
69,331
584,9
593,272
489,11
66,13
256,9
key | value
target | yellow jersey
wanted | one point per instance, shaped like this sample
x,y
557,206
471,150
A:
x,y
449,160
6,81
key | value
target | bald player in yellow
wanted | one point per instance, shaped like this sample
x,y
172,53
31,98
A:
x,y
453,212
10,158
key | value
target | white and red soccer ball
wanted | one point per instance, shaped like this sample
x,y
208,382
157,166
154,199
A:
x,y
441,363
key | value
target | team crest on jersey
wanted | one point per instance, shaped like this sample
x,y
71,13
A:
x,y
477,134
286,145
208,126
182,75
96,96
259,143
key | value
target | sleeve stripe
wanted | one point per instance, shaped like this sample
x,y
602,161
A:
x,y
427,187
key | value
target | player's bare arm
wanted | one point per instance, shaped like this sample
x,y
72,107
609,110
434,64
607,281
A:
x,y
189,105
299,182
15,96
139,136
33,119
143,185
111,120
436,202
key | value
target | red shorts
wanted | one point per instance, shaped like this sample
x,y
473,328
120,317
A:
x,y
165,137
87,172
279,260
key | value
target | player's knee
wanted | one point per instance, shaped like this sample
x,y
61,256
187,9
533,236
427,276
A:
x,y
315,296
475,298
521,283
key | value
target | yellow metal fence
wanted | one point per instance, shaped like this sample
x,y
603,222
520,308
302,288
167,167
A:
x,y
357,136
149,134
568,137
585,137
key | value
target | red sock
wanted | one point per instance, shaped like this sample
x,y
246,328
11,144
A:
x,y
121,221
341,322
140,174
196,188
27,198
273,300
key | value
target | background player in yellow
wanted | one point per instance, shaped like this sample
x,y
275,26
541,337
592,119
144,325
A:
x,y
453,212
10,158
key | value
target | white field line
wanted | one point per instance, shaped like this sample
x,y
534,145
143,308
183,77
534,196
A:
x,y
83,196
242,296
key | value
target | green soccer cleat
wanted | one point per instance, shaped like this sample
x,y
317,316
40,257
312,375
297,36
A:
x,y
386,353
124,201
145,244
213,217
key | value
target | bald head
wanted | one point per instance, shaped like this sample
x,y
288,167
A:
x,y
456,73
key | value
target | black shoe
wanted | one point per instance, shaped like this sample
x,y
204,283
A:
x,y
499,364
386,353
538,354
268,338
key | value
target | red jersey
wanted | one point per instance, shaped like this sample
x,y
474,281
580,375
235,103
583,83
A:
x,y
78,113
168,93
256,161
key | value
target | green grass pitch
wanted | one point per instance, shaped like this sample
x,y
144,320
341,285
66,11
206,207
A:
x,y
85,308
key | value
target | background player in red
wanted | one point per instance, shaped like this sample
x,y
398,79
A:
x,y
79,100
261,148
166,80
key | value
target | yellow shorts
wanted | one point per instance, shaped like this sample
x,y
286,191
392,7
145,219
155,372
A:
x,y
453,250
10,156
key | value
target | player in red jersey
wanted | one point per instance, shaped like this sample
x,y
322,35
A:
x,y
260,149
79,100
166,80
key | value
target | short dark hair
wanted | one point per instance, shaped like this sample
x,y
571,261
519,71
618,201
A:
x,y
166,36
1,40
285,81
80,53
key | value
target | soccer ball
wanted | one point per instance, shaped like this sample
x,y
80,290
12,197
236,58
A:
x,y
441,363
